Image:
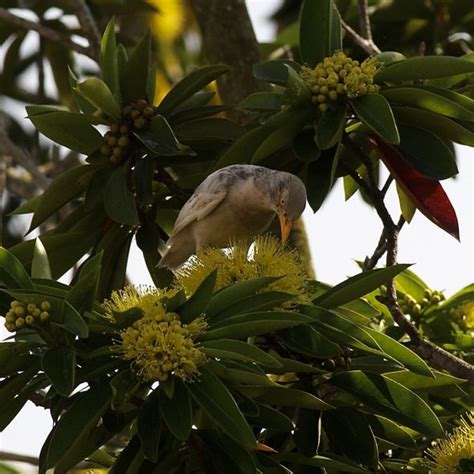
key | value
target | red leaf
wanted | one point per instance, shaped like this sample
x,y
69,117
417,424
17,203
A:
x,y
427,194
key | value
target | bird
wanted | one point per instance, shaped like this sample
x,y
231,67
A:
x,y
234,203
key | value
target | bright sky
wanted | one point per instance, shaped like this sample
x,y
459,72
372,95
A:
x,y
340,233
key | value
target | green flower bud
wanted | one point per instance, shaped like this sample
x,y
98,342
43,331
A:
x,y
20,323
324,90
36,313
31,307
10,317
112,140
10,327
323,107
127,110
139,123
124,129
124,141
105,150
44,316
45,305
141,103
321,98
333,95
29,320
19,311
15,303
329,364
135,114
114,128
148,112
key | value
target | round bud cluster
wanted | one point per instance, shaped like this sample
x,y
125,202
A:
x,y
118,140
339,77
339,362
458,315
411,306
22,315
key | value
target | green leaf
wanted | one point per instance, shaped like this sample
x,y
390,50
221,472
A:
x,y
241,374
27,207
69,129
109,61
275,71
12,272
287,397
63,189
424,67
124,385
390,399
133,77
16,357
244,148
215,399
437,100
197,303
177,411
59,364
375,112
271,418
40,264
389,431
442,126
254,324
98,94
330,127
160,139
119,202
319,178
416,381
320,31
232,294
208,130
189,85
427,153
407,206
78,422
262,102
149,426
297,92
357,286
238,350
151,83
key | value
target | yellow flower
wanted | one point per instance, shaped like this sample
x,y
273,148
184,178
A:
x,y
158,344
269,258
468,310
445,455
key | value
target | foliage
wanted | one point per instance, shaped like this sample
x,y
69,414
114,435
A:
x,y
267,371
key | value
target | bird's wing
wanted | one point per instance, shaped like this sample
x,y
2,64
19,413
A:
x,y
204,200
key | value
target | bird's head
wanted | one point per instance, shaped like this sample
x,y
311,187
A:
x,y
291,202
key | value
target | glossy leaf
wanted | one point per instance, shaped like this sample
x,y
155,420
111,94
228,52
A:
x,y
320,31
40,264
427,194
119,202
271,418
296,92
59,365
318,179
427,153
357,286
216,400
197,303
390,399
69,129
191,84
437,100
336,463
274,71
98,94
177,412
375,112
415,381
424,67
12,272
407,207
149,426
308,341
238,350
204,130
262,102
392,432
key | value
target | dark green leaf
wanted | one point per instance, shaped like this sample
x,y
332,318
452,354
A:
x,y
427,153
149,426
320,31
209,130
214,398
133,77
119,202
191,84
306,340
270,418
197,303
177,411
275,71
375,112
318,179
160,139
333,462
390,399
330,127
416,381
12,272
240,374
389,431
357,286
108,60
297,92
59,365
262,102
69,129
424,67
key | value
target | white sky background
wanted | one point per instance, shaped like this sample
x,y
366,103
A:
x,y
339,233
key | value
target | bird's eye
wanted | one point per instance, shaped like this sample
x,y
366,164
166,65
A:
x,y
282,202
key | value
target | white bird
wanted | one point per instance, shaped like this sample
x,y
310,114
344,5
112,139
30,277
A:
x,y
233,203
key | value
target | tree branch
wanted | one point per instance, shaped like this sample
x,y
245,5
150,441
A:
x,y
367,45
44,31
364,20
88,25
7,456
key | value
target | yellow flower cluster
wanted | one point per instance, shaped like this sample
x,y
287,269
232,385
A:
x,y
270,258
447,453
158,344
23,314
464,316
339,76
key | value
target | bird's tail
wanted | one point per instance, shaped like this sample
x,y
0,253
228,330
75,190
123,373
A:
x,y
179,249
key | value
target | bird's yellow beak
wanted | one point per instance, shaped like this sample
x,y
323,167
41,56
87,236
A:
x,y
285,226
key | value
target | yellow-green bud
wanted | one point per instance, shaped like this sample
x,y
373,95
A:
x,y
324,90
31,307
142,103
124,129
316,89
333,95
124,141
341,89
115,127
15,303
321,98
44,316
148,112
36,313
323,107
19,311
135,114
435,299
139,123
112,140
10,317
10,327
424,301
30,320
20,323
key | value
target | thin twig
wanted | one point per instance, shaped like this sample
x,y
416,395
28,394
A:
x,y
364,20
367,45
386,186
44,31
3,182
88,25
7,456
